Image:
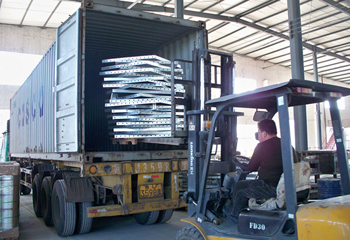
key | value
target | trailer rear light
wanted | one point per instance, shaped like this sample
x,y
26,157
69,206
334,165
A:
x,y
93,169
302,90
150,176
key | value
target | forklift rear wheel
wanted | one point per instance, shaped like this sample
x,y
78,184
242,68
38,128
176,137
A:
x,y
147,218
37,195
84,223
46,201
189,233
64,213
25,190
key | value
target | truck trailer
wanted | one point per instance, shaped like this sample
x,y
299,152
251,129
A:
x,y
59,130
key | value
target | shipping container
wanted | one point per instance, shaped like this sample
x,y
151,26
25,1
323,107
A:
x,y
60,107
59,128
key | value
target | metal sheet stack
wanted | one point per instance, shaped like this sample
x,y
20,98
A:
x,y
9,200
139,96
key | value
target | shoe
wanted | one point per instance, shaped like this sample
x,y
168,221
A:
x,y
226,211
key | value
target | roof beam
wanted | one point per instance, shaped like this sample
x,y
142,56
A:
x,y
325,35
233,6
337,6
216,27
263,47
347,79
279,56
25,14
226,35
271,52
54,10
189,4
331,75
145,7
260,6
212,5
335,68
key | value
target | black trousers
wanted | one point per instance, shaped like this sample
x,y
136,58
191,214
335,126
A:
x,y
246,189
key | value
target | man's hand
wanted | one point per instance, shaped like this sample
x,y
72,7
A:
x,y
243,166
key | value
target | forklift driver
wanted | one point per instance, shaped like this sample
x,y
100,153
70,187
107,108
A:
x,y
267,160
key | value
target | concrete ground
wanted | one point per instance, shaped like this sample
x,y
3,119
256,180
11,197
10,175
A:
x,y
123,228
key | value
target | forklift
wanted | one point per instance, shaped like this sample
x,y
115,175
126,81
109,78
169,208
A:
x,y
319,219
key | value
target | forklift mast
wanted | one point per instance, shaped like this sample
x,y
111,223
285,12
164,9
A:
x,y
203,84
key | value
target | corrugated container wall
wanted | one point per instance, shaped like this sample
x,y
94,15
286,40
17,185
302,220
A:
x,y
32,115
103,36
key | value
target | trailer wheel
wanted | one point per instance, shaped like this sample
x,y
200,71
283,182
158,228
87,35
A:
x,y
165,215
25,190
84,223
46,201
63,213
147,218
189,233
37,195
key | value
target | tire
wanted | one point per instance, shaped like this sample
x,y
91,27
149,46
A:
x,y
46,201
84,223
165,215
189,233
25,190
37,195
63,213
147,218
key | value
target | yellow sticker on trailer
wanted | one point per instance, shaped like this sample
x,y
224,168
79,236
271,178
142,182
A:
x,y
151,191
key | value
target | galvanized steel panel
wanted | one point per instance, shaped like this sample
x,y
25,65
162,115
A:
x,y
116,35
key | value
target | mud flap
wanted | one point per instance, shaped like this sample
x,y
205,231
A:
x,y
78,189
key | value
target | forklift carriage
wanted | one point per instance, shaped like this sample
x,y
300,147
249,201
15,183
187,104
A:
x,y
322,219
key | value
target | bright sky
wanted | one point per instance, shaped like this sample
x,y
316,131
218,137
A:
x,y
16,67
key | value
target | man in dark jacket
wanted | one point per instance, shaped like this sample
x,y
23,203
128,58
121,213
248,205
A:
x,y
267,160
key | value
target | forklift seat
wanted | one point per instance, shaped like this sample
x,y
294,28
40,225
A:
x,y
302,173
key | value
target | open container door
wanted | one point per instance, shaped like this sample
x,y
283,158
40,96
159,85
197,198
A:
x,y
66,85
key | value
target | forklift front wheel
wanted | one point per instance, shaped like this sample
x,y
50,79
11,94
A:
x,y
189,233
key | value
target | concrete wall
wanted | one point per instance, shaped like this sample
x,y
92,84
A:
x,y
26,39
6,93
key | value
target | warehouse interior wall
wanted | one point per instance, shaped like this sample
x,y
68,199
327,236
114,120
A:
x,y
265,73
27,44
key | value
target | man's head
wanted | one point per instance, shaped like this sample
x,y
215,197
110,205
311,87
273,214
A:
x,y
267,129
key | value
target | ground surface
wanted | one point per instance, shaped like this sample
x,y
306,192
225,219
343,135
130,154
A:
x,y
123,228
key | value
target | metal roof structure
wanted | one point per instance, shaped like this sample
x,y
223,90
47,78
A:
x,y
258,29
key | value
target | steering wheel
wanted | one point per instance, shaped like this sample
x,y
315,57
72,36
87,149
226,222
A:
x,y
242,159
242,174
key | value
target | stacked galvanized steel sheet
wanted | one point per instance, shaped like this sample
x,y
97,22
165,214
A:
x,y
139,96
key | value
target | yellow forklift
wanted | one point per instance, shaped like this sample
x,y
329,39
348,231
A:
x,y
320,219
